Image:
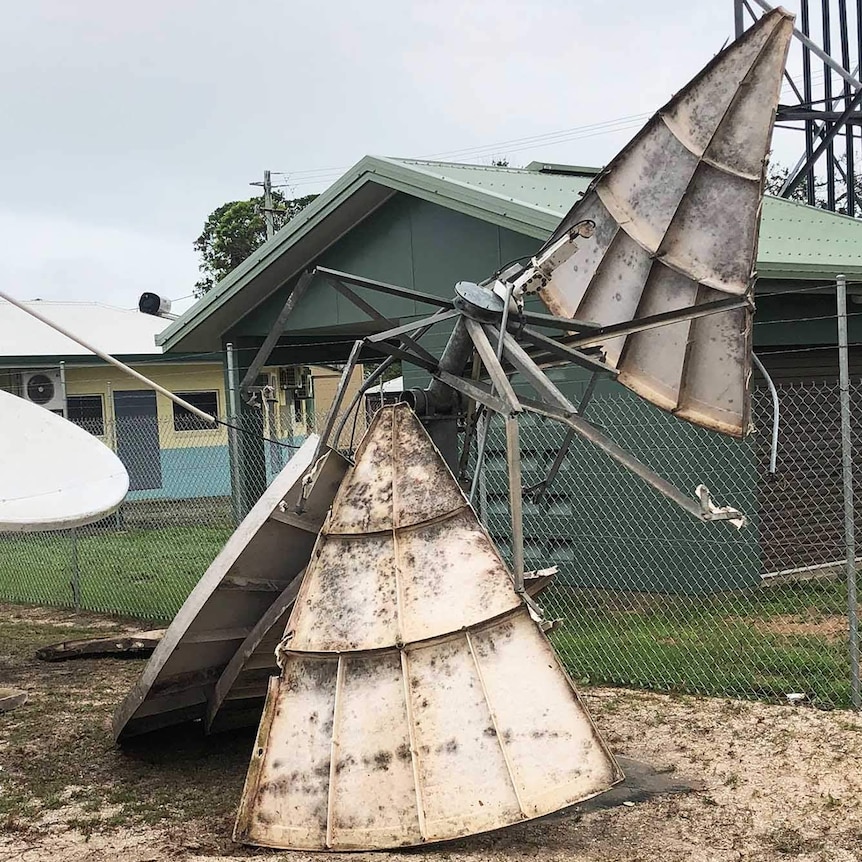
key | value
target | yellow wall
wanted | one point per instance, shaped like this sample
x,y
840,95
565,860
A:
x,y
175,377
207,377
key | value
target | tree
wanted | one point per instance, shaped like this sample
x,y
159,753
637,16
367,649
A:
x,y
234,230
776,176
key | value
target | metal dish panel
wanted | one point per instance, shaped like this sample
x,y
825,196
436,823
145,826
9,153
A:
x,y
644,185
285,799
714,233
349,598
464,780
652,361
743,136
555,753
615,291
425,488
716,393
687,190
373,802
696,112
570,282
257,563
364,501
450,577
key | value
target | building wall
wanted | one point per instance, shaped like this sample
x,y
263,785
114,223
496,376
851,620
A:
x,y
191,463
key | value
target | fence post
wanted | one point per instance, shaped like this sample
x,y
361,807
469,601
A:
x,y
76,571
847,481
233,448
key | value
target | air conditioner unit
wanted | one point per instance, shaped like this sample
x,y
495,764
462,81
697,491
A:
x,y
44,388
298,380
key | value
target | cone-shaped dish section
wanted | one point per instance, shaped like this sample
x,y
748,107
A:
x,y
418,700
677,216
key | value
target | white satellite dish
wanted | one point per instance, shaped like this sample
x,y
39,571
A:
x,y
53,474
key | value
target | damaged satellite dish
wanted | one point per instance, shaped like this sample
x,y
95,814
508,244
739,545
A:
x,y
418,699
676,217
216,657
53,474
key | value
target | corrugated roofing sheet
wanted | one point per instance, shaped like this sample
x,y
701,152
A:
x,y
551,192
115,330
799,241
796,240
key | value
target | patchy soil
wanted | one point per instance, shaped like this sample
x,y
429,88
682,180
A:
x,y
831,628
780,782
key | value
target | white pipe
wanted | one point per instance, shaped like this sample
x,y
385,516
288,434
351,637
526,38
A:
x,y
110,359
776,412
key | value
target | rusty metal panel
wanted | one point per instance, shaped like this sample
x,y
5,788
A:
x,y
286,794
418,699
433,570
364,500
451,576
677,217
348,597
372,758
462,734
555,754
464,781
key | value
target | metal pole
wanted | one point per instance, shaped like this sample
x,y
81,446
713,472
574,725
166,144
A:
x,y
76,571
110,359
481,440
267,205
738,18
483,426
847,481
815,49
63,388
233,443
776,412
513,456
827,93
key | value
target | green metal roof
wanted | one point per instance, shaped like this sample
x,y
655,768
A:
x,y
803,242
796,241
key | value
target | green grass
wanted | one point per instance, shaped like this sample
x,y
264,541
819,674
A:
x,y
758,643
762,644
140,573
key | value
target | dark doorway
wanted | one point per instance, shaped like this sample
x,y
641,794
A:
x,y
138,438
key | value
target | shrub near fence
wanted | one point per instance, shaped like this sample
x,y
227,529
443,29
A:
x,y
647,595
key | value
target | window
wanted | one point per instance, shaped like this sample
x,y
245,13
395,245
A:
x,y
186,421
88,412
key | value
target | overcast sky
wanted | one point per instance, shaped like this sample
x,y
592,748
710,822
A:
x,y
125,124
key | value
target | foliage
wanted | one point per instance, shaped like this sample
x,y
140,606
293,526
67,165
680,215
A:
x,y
234,230
778,174
391,373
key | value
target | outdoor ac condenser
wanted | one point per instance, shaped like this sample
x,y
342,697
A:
x,y
44,388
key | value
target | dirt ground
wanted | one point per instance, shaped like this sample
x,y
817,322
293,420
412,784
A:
x,y
778,782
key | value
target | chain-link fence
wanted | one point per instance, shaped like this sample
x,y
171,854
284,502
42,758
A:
x,y
650,596
647,595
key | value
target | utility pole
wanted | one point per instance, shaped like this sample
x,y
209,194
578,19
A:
x,y
267,205
267,208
